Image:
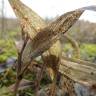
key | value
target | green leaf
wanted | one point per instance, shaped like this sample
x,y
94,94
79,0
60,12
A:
x,y
6,92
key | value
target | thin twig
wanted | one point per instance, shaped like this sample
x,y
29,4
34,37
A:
x,y
39,75
20,55
19,65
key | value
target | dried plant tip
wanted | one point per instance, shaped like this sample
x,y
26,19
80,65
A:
x,y
30,21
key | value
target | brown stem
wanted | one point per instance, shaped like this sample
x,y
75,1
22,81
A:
x,y
19,65
25,67
39,77
53,86
20,56
17,86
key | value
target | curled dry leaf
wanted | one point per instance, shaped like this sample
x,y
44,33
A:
x,y
49,35
54,31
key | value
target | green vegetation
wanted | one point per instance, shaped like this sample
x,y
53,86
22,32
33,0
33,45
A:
x,y
7,48
7,77
5,92
87,51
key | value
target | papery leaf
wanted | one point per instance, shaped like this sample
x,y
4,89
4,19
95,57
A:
x,y
80,72
30,21
23,11
49,35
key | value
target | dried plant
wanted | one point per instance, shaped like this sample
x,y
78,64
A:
x,y
41,39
